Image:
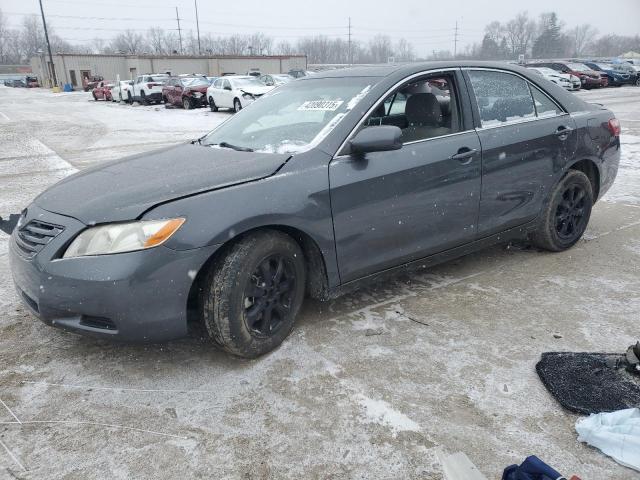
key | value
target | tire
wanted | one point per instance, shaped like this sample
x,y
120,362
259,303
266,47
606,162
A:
x,y
129,98
186,103
237,106
246,311
638,82
143,98
566,214
212,105
94,97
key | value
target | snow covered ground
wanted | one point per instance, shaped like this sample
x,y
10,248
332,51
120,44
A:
x,y
371,385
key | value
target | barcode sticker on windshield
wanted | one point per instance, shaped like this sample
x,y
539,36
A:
x,y
321,105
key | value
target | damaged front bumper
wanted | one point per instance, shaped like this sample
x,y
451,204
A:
x,y
137,296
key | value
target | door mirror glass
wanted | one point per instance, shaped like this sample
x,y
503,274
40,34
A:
x,y
380,138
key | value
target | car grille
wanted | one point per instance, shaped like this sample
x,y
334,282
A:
x,y
34,236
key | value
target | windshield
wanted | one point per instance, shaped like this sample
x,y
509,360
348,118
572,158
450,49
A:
x,y
578,67
292,118
282,78
194,82
247,82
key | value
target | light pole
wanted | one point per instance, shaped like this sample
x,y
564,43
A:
x,y
46,37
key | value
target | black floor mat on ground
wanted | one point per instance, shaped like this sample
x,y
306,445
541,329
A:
x,y
589,382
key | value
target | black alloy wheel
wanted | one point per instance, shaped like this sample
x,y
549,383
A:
x,y
269,294
566,213
571,212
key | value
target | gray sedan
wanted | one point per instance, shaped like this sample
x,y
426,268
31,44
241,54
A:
x,y
319,185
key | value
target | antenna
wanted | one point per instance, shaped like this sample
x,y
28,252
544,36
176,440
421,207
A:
x,y
179,30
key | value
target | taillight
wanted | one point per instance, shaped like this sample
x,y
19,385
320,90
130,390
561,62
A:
x,y
151,85
614,127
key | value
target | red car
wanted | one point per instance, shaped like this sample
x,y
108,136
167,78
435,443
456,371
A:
x,y
190,92
588,78
102,91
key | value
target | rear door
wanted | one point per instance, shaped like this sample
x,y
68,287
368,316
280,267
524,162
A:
x,y
391,208
226,94
526,140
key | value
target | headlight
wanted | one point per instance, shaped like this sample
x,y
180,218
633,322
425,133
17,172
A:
x,y
123,237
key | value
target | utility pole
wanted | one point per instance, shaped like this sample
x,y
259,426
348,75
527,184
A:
x,y
198,27
46,36
179,30
455,41
350,58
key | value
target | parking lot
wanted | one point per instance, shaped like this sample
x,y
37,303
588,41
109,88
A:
x,y
372,385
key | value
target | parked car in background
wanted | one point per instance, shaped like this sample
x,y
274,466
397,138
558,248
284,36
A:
x,y
276,80
188,92
15,83
102,91
235,92
310,192
120,89
147,88
565,80
212,79
588,78
299,73
89,83
615,75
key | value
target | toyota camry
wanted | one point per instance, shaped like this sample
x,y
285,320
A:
x,y
319,185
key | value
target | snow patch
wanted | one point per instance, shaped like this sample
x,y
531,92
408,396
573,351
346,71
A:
x,y
380,412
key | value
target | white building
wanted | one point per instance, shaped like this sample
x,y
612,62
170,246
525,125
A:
x,y
71,67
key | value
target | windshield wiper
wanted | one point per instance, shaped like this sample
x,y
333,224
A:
x,y
234,147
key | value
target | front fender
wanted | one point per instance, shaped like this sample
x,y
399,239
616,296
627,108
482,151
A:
x,y
297,197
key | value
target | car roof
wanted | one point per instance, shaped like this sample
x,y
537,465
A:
x,y
410,68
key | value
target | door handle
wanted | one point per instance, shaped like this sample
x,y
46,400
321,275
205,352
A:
x,y
562,132
464,155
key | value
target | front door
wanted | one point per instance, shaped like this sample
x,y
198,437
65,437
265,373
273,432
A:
x,y
390,208
526,139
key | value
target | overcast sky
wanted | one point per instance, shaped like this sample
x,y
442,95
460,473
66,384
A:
x,y
428,25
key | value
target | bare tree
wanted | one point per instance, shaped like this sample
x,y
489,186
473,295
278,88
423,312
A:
x,y
520,32
380,49
582,37
128,42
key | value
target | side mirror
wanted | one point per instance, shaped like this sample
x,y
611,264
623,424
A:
x,y
379,138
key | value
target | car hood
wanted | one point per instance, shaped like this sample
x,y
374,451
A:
x,y
256,90
125,189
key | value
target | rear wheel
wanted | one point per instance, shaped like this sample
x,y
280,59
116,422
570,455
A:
x,y
252,296
212,105
237,106
567,213
186,103
143,98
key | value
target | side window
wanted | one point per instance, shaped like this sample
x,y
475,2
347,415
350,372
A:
x,y
217,84
226,84
544,106
423,108
501,97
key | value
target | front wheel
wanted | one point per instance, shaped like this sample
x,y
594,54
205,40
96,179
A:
x,y
567,213
212,105
252,296
129,98
186,103
237,106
